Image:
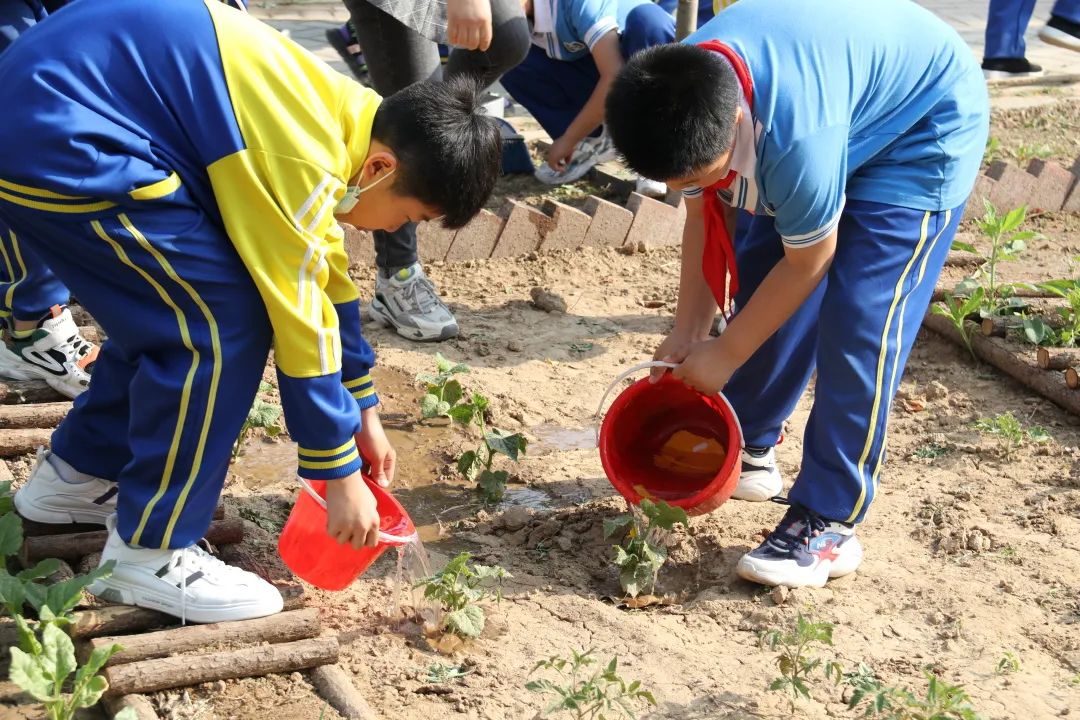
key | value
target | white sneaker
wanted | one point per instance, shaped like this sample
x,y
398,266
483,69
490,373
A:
x,y
589,152
55,353
57,493
409,302
805,550
650,188
189,583
760,479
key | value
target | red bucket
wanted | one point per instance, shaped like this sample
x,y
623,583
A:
x,y
321,560
640,424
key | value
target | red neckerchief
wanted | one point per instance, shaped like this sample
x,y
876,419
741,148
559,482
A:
x,y
718,259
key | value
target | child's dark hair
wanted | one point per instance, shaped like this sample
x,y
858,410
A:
x,y
671,110
449,155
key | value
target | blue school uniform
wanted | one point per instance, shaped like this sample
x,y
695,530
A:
x,y
868,119
183,185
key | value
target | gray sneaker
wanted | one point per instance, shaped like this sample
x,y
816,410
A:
x,y
589,152
408,302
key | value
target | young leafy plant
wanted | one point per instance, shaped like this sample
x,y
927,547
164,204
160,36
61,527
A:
x,y
458,588
477,464
443,391
587,693
940,702
958,310
1011,433
796,660
643,550
1009,663
263,415
1039,332
1007,241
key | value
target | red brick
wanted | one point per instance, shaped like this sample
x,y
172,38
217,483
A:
x,y
1015,188
568,227
433,241
614,178
1072,202
984,187
675,199
525,228
1053,186
359,246
609,223
653,220
477,239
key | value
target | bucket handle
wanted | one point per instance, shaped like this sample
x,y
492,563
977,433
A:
x,y
644,366
383,536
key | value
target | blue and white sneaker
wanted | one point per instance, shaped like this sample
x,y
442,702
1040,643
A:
x,y
805,550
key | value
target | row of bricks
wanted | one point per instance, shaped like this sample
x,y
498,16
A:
x,y
1044,186
519,229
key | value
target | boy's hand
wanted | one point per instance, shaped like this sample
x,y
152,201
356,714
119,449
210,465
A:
x,y
351,514
560,152
468,24
376,448
707,367
675,348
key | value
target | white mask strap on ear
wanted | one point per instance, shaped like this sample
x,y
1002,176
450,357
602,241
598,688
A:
x,y
353,193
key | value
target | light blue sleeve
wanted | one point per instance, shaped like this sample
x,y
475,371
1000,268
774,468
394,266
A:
x,y
592,19
805,185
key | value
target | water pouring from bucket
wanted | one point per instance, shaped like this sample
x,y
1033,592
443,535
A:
x,y
667,441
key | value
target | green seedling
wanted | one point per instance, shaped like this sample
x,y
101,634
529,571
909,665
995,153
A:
x,y
931,451
588,693
1007,241
1012,434
796,661
992,151
958,309
7,503
1039,332
440,673
263,415
443,391
941,701
1008,664
1025,153
643,550
477,464
459,588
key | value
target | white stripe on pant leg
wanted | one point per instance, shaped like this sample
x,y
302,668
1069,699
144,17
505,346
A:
x,y
879,390
899,339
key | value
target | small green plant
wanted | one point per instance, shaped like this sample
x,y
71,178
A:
x,y
1025,153
940,702
931,451
588,693
796,661
477,464
459,587
992,151
440,673
958,309
1039,332
643,550
443,391
1008,663
263,415
1007,241
1011,433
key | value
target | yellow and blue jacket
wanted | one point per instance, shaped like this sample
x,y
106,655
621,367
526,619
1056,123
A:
x,y
262,136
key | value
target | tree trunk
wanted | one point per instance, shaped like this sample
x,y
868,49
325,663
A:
x,y
39,415
185,670
73,546
1047,359
20,442
686,18
283,627
17,392
336,687
140,704
994,351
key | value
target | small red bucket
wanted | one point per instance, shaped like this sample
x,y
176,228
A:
x,y
321,560
642,421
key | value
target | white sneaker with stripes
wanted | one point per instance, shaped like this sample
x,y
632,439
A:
x,y
57,493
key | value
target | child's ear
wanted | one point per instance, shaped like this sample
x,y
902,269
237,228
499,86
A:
x,y
379,164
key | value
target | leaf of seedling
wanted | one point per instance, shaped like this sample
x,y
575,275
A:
x,y
462,414
506,444
964,247
442,364
429,406
466,622
6,503
467,464
664,516
27,672
1037,331
11,534
63,596
43,569
966,287
452,392
618,524
492,484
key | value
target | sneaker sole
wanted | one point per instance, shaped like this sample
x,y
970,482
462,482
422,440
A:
x,y
1053,36
384,318
127,593
748,569
30,510
1002,75
16,369
755,489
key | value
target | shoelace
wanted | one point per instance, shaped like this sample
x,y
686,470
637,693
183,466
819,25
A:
x,y
75,345
813,525
202,561
422,295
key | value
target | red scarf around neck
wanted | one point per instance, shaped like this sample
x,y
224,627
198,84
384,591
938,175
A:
x,y
718,259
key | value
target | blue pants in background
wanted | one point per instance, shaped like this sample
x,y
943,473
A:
x,y
554,91
27,288
1007,21
856,330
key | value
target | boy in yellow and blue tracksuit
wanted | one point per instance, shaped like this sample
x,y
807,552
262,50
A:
x,y
186,187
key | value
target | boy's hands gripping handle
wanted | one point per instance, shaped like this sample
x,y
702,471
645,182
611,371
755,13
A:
x,y
360,527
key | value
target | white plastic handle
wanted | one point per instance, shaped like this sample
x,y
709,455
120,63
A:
x,y
383,536
646,366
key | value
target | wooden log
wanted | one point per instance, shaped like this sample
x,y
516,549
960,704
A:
x,y
1048,360
964,260
39,415
20,442
994,327
73,546
337,688
185,670
995,352
941,292
17,392
283,627
1072,378
139,704
35,529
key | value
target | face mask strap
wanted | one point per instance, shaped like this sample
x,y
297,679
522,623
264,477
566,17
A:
x,y
353,193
